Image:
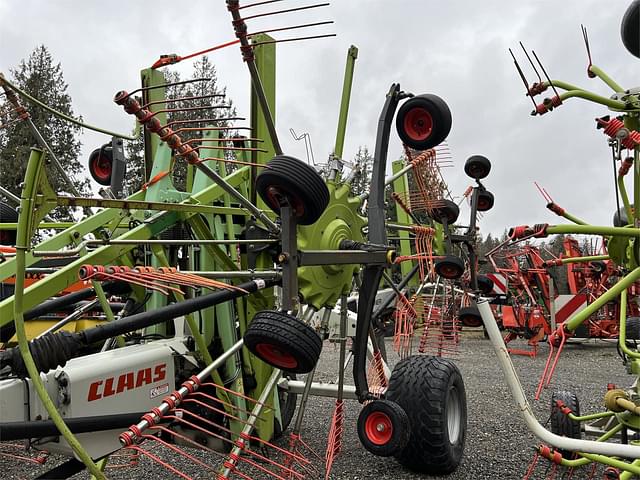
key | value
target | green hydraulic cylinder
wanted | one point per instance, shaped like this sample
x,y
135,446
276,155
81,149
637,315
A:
x,y
401,186
205,257
265,62
152,141
157,160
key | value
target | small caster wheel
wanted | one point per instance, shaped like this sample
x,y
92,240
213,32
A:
x,y
485,200
485,284
561,424
445,209
383,428
288,179
477,167
449,267
470,317
423,121
101,164
283,341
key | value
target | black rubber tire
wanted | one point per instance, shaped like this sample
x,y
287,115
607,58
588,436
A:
x,y
432,393
630,28
288,403
8,214
598,266
449,267
423,121
632,331
477,167
485,284
620,218
283,341
101,165
485,200
393,417
299,183
446,209
563,425
470,317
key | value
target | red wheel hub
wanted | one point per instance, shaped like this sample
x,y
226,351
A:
x,y
101,167
276,196
418,124
274,355
378,428
471,321
449,271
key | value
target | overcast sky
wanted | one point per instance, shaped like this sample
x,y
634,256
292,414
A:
x,y
455,49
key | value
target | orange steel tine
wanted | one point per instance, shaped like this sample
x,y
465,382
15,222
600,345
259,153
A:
x,y
135,282
148,278
142,274
188,279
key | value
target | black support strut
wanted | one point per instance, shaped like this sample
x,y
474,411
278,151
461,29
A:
x,y
372,275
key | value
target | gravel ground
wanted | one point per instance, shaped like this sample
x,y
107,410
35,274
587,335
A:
x,y
498,445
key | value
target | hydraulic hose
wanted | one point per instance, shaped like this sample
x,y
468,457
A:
x,y
55,349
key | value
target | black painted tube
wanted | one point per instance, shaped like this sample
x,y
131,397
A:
x,y
58,303
164,314
46,428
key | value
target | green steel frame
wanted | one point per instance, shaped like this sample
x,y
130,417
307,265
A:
x,y
624,249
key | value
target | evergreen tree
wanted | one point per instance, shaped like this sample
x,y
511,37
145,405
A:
x,y
363,163
42,78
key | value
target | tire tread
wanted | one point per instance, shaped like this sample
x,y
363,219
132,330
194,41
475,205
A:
x,y
419,384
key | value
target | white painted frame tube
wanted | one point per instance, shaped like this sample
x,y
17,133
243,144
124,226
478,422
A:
x,y
564,443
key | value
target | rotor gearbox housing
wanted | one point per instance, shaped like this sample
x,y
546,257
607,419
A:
x,y
322,286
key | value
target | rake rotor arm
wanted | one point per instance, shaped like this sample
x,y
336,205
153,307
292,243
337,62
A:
x,y
61,115
596,71
571,91
566,260
558,210
247,54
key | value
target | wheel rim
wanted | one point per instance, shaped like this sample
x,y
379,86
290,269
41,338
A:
x,y
470,321
101,167
274,355
484,204
445,212
454,415
477,170
275,197
378,428
449,271
418,124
